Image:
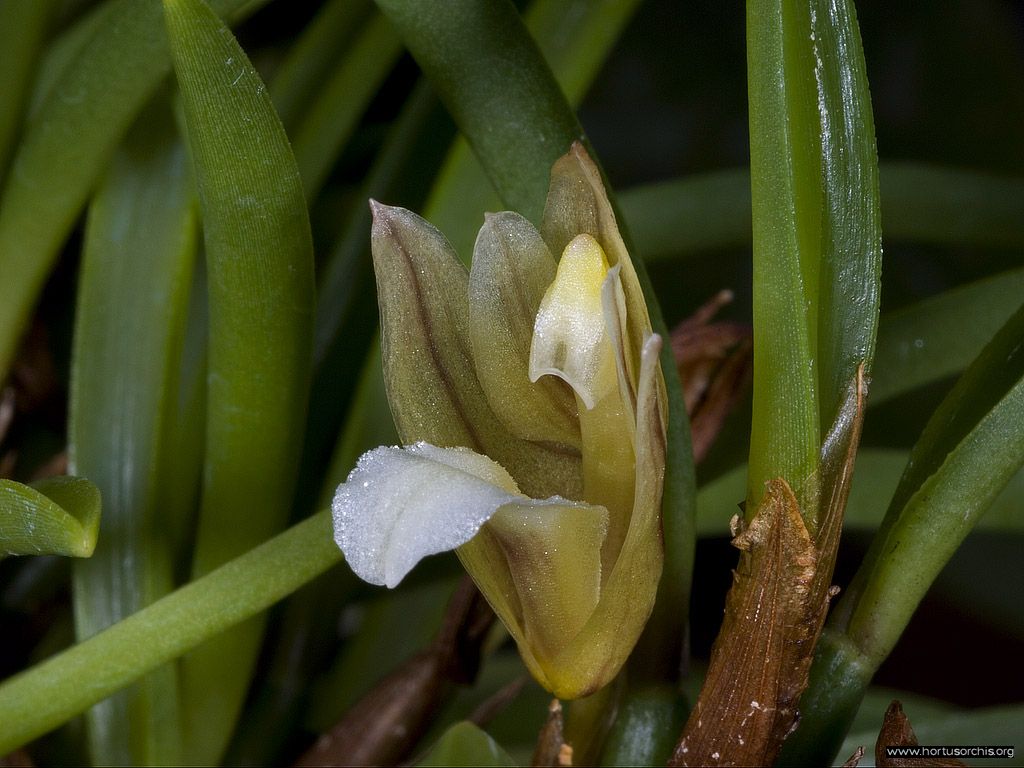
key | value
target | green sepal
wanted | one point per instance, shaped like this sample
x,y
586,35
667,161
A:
x,y
432,386
512,268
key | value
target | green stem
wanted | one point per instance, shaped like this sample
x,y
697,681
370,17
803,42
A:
x,y
39,699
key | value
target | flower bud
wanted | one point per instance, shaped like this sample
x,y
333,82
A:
x,y
530,401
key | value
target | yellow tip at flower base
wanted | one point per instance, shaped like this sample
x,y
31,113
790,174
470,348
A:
x,y
530,401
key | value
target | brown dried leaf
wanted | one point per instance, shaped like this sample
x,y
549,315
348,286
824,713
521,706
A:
x,y
897,732
715,365
854,760
760,661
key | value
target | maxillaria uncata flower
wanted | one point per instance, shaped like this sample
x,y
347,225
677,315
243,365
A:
x,y
531,404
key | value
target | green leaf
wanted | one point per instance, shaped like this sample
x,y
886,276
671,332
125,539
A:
x,y
920,203
260,267
59,516
645,727
494,81
139,255
816,231
88,109
967,453
40,698
22,26
464,744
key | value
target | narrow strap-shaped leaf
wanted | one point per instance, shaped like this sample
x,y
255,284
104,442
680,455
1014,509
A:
x,y
785,167
22,26
817,234
851,230
260,266
59,516
71,138
136,277
40,698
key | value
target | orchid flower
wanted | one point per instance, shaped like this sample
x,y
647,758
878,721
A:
x,y
530,401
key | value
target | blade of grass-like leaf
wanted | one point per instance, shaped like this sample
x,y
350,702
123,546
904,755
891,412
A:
x,y
309,61
786,195
260,266
40,698
59,516
22,26
331,118
817,256
71,138
970,449
136,275
817,234
575,37
506,102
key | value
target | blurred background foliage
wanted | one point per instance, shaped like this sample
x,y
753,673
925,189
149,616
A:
x,y
668,103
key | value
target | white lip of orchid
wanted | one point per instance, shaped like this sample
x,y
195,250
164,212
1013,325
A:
x,y
570,334
401,504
